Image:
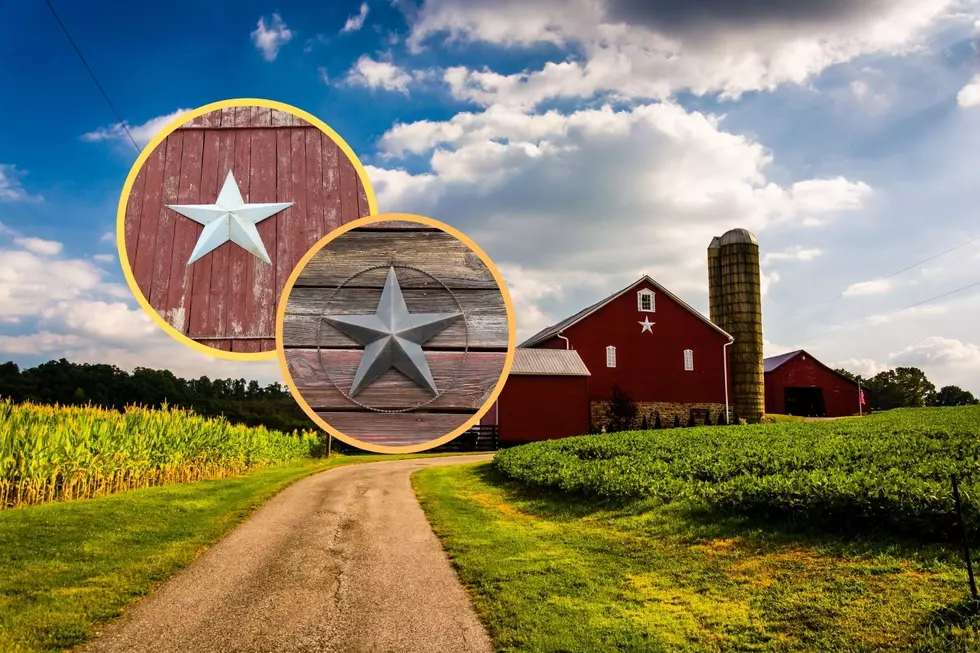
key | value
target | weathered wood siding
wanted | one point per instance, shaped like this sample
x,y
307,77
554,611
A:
x,y
227,299
441,255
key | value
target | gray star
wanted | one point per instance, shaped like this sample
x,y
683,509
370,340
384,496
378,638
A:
x,y
392,337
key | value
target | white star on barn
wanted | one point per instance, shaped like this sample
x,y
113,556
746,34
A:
x,y
229,218
646,324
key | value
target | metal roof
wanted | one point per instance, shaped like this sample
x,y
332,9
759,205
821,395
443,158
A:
x,y
771,363
554,330
735,236
551,362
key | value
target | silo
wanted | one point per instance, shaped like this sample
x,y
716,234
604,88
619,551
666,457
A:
x,y
735,301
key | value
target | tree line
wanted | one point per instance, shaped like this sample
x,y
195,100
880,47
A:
x,y
908,387
239,400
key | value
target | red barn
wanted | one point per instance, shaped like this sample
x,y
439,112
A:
x,y
664,354
798,384
546,396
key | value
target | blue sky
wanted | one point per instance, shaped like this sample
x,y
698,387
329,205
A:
x,y
580,143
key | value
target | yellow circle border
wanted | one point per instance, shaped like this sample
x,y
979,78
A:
x,y
141,161
364,222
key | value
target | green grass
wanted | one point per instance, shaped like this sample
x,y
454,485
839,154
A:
x,y
557,573
68,566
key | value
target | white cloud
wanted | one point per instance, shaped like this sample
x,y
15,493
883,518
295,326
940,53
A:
x,y
651,53
104,258
108,237
142,134
374,74
324,77
356,21
969,95
946,361
865,367
906,313
40,246
875,287
270,38
11,188
795,254
599,190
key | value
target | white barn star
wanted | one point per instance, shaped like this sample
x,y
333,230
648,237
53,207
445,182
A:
x,y
646,324
229,218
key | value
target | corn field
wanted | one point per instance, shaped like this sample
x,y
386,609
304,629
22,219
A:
x,y
50,453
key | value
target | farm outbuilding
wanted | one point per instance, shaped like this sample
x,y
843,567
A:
x,y
546,396
798,384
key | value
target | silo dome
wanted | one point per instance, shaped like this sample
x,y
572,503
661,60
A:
x,y
737,236
715,243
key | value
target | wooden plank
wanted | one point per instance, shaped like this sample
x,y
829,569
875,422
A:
x,y
439,253
281,118
363,209
201,315
238,258
219,289
134,209
485,326
394,429
243,117
260,290
388,225
186,232
332,189
286,219
195,122
464,380
348,187
298,212
141,258
211,119
314,188
228,117
261,117
163,252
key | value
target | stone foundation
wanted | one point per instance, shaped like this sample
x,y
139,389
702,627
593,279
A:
x,y
667,410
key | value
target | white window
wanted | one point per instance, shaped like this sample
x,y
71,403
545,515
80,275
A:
x,y
644,301
688,360
610,356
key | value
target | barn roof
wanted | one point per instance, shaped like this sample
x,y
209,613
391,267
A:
x,y
771,363
555,329
551,362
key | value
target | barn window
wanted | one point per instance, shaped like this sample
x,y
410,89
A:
x,y
610,356
688,360
644,301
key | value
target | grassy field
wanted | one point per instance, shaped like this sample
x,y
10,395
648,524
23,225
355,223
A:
x,y
67,566
73,452
720,539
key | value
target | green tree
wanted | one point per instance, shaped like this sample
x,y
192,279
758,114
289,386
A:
x,y
953,395
621,411
902,387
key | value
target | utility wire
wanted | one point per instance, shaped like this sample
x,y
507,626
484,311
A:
x,y
92,74
893,274
868,319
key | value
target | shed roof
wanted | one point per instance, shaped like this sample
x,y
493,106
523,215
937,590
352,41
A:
x,y
550,362
771,363
555,329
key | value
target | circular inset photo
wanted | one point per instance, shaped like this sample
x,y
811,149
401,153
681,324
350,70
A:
x,y
220,207
395,333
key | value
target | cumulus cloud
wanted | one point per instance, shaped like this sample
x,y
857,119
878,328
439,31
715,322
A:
x,y
650,50
795,254
939,351
969,95
40,246
269,38
875,287
356,21
142,134
865,367
375,74
669,181
11,187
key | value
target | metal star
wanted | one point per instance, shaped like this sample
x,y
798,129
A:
x,y
646,324
229,218
392,337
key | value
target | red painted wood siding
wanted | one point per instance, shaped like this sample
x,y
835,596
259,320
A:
x,y
543,407
840,395
649,367
227,299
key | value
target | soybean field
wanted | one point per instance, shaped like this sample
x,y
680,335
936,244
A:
x,y
50,453
886,472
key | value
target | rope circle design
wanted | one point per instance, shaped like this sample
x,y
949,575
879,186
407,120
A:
x,y
459,368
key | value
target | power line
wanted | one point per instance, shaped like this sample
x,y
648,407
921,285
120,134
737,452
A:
x,y
893,274
917,304
92,74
